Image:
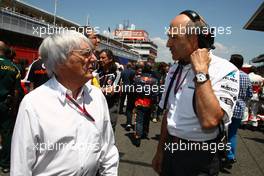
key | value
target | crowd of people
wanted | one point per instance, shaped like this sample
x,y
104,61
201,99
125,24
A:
x,y
76,91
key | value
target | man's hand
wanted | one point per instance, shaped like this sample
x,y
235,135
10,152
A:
x,y
157,162
200,60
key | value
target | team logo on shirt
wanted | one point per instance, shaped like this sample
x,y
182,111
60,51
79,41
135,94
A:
x,y
227,101
231,77
231,74
7,67
228,88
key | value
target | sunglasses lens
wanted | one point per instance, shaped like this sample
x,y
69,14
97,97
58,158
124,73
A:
x,y
86,52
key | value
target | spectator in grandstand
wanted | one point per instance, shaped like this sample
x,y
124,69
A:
x,y
63,126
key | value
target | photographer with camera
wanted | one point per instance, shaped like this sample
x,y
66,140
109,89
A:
x,y
200,92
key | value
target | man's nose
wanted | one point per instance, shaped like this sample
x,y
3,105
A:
x,y
168,44
93,57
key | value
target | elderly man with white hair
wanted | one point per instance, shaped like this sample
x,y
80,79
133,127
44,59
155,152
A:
x,y
63,127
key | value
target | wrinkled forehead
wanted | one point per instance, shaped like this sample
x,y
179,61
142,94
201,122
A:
x,y
92,34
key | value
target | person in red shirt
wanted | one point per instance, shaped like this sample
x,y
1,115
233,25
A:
x,y
145,95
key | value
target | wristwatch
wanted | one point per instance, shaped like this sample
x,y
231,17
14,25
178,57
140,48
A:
x,y
201,77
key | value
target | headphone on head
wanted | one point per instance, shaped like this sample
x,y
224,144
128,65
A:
x,y
205,40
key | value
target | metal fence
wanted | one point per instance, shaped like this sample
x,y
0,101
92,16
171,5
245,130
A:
x,y
15,22
19,23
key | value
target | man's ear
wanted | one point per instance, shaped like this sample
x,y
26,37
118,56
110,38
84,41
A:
x,y
194,41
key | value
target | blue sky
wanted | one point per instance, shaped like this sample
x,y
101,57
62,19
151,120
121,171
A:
x,y
155,15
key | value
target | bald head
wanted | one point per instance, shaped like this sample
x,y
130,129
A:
x,y
2,44
3,48
182,24
180,20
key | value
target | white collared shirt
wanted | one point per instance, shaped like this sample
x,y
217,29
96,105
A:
x,y
181,119
53,137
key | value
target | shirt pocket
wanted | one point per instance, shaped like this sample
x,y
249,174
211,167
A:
x,y
186,101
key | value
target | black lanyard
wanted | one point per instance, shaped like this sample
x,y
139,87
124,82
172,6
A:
x,y
178,83
82,109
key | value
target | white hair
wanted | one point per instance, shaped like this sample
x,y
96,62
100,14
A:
x,y
54,49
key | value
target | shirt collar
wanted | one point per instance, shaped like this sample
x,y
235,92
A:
x,y
62,91
185,66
